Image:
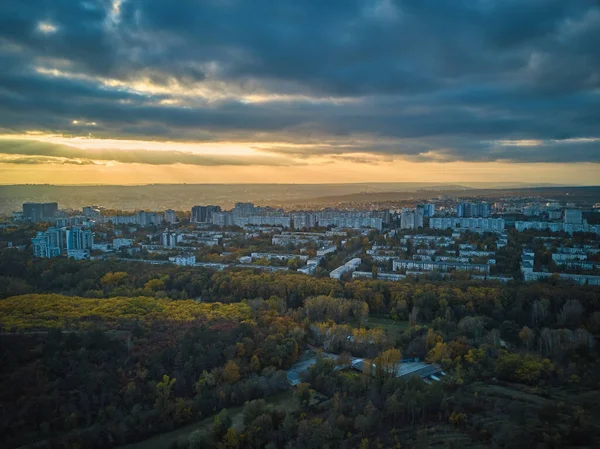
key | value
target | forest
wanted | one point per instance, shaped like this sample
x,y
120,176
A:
x,y
100,354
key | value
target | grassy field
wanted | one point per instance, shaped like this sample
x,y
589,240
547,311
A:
x,y
164,440
386,323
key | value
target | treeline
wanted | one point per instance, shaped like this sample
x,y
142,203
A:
x,y
104,279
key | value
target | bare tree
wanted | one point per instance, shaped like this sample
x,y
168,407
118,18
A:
x,y
413,315
571,313
539,312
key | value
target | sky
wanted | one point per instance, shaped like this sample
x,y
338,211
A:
x,y
299,91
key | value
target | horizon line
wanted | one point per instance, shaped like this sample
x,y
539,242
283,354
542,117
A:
x,y
456,183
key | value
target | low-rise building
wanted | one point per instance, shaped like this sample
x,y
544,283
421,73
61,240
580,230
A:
x,y
278,256
469,253
380,276
78,254
561,258
262,267
582,279
326,250
184,260
439,266
308,269
121,243
348,267
472,223
102,246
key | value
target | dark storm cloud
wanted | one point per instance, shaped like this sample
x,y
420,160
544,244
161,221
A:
x,y
33,152
427,79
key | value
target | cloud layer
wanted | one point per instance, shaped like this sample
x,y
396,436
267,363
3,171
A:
x,y
33,152
427,80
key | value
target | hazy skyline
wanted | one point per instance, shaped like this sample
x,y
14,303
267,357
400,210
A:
x,y
231,91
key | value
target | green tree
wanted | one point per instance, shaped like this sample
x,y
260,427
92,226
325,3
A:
x,y
221,423
163,392
303,394
254,364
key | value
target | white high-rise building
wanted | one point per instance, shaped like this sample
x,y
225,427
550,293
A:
x,y
143,218
222,219
50,243
170,216
203,214
429,209
75,243
419,215
41,247
243,210
168,239
140,218
303,220
407,219
573,216
79,243
79,239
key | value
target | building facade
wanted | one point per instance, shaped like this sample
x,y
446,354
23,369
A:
x,y
37,212
204,214
170,216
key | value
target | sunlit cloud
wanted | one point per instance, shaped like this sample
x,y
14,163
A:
x,y
90,143
33,148
193,93
520,143
47,28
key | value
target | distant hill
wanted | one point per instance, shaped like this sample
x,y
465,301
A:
x,y
583,196
184,196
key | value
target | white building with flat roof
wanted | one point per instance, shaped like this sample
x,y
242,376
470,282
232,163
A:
x,y
183,260
439,266
472,223
121,243
348,267
326,250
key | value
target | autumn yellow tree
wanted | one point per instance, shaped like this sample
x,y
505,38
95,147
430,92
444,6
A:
x,y
254,364
110,278
155,285
439,353
231,372
387,364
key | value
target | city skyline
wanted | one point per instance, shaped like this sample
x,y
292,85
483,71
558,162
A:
x,y
178,238
130,92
